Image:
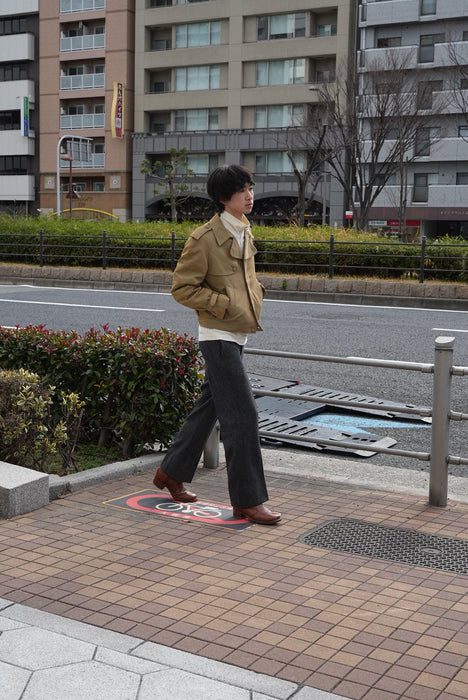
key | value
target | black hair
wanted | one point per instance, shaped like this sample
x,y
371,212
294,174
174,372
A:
x,y
226,180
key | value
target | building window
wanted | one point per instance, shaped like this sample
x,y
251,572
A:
x,y
13,165
462,178
199,164
388,42
278,116
381,180
98,187
198,34
428,7
10,120
197,78
326,30
425,92
290,26
426,46
424,137
13,71
13,25
196,119
421,185
463,132
275,162
286,72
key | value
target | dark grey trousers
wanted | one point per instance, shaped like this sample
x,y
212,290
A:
x,y
226,395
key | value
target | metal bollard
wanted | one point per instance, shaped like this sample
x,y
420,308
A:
x,y
438,482
211,451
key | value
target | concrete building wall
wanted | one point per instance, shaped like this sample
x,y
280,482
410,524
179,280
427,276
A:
x,y
235,56
445,166
99,41
19,135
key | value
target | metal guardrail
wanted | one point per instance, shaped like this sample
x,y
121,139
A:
x,y
418,261
441,413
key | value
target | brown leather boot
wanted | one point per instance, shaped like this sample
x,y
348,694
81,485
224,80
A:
x,y
261,515
175,488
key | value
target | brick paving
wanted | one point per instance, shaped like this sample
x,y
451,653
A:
x,y
258,598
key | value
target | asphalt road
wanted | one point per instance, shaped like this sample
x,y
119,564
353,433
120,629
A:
x,y
337,330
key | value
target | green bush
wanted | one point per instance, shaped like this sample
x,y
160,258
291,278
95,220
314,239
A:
x,y
28,434
136,386
282,249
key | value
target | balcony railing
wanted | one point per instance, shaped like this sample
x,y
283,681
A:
x,y
80,5
82,43
97,161
82,82
82,121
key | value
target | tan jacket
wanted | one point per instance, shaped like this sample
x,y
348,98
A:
x,y
214,278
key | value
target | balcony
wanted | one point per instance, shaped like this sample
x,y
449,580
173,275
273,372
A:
x,y
82,82
86,42
17,47
17,187
82,121
438,196
12,90
13,143
98,160
67,6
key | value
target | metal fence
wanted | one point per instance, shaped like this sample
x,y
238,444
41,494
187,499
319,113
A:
x,y
427,259
440,412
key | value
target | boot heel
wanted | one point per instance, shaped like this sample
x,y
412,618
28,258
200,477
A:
x,y
158,483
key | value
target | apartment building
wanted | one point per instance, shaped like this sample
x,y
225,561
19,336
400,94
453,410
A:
x,y
433,37
19,143
86,75
229,80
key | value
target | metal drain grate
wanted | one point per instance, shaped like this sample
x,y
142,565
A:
x,y
391,543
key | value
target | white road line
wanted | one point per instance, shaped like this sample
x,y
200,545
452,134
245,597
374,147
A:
x,y
451,330
81,289
79,306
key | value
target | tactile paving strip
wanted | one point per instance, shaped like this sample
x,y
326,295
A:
x,y
391,543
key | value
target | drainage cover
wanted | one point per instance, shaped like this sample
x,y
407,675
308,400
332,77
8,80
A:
x,y
391,543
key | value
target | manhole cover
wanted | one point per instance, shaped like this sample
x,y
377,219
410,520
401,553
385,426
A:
x,y
391,543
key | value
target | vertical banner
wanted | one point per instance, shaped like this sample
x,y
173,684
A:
x,y
117,121
25,116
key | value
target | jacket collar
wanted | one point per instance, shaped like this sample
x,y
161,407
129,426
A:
x,y
222,235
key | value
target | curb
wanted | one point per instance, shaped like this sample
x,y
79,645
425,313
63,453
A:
x,y
59,485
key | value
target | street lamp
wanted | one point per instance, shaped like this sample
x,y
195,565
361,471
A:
x,y
69,158
77,142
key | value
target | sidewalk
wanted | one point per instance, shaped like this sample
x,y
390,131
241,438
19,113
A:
x,y
107,603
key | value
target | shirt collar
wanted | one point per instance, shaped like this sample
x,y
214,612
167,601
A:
x,y
233,222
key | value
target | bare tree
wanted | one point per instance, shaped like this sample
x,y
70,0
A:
x,y
303,146
374,125
458,61
173,175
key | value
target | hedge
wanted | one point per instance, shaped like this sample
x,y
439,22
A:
x,y
286,249
136,386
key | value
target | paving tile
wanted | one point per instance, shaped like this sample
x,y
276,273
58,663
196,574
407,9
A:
x,y
258,599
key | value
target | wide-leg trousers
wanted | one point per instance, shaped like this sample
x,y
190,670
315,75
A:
x,y
225,396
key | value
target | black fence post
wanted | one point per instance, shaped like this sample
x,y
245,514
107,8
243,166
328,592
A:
x,y
104,250
41,247
422,259
172,251
330,256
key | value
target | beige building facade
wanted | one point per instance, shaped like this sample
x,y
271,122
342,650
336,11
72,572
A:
x,y
227,80
86,77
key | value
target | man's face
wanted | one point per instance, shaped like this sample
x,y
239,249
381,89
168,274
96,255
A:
x,y
241,202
